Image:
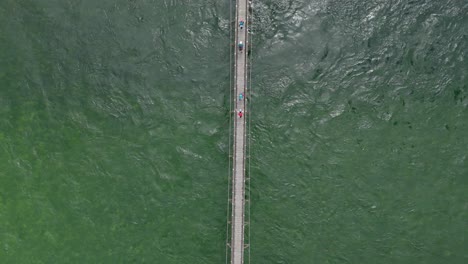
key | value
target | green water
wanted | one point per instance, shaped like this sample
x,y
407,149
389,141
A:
x,y
114,131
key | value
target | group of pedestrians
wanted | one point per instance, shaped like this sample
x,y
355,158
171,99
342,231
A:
x,y
240,113
241,47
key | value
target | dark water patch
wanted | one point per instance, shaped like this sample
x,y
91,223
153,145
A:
x,y
367,141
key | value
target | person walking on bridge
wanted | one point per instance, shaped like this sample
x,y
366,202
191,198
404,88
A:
x,y
241,46
240,113
241,24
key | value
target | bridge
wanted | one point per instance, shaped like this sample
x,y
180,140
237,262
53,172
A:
x,y
238,196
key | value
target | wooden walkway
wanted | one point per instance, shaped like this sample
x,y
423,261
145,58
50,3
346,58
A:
x,y
239,149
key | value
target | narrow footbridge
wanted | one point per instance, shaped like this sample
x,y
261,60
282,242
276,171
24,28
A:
x,y
238,244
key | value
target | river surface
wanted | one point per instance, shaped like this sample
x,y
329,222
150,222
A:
x,y
114,131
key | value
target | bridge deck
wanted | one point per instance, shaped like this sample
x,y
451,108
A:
x,y
238,179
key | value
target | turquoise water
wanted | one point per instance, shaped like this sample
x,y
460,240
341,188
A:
x,y
114,131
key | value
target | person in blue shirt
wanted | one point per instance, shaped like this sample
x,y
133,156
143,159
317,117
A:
x,y
241,96
241,24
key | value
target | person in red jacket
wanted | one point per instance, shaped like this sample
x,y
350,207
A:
x,y
240,113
